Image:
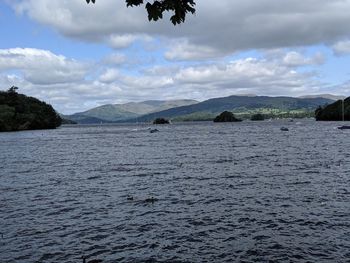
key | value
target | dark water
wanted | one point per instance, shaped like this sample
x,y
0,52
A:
x,y
243,192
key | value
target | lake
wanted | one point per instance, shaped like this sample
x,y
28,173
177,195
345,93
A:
x,y
194,192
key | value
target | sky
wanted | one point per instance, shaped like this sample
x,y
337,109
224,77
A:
x,y
77,56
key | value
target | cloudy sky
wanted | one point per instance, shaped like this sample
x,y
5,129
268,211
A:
x,y
77,56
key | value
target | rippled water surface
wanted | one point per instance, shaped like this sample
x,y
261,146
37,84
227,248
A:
x,y
242,192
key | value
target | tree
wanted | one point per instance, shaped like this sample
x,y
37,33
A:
x,y
19,112
12,90
161,121
226,116
334,111
155,10
257,117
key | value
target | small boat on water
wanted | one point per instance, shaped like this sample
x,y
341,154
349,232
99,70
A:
x,y
284,129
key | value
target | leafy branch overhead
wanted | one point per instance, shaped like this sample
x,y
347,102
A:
x,y
155,10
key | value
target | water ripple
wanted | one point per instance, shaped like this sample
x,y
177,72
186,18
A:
x,y
199,192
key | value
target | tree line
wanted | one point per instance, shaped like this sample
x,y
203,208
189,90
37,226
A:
x,y
20,112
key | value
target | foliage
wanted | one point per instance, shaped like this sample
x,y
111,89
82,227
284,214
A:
x,y
155,10
160,121
226,116
196,116
274,113
334,111
19,112
257,117
13,89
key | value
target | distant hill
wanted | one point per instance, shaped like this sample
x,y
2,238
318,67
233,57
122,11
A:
x,y
325,96
334,111
119,112
238,104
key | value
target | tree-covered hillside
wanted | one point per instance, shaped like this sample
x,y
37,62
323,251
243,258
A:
x,y
119,112
19,112
242,105
334,111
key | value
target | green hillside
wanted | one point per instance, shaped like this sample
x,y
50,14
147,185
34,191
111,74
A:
x,y
334,111
242,107
19,112
119,112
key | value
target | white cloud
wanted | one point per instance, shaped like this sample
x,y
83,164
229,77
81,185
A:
x,y
182,50
114,85
342,47
110,75
193,51
142,83
251,75
42,66
295,59
114,59
225,26
126,40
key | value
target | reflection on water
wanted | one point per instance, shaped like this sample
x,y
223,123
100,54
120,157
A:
x,y
190,193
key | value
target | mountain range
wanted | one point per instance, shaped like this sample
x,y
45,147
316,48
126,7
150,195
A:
x,y
147,111
240,105
325,96
120,112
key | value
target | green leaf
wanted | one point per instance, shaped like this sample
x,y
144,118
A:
x,y
155,10
133,2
